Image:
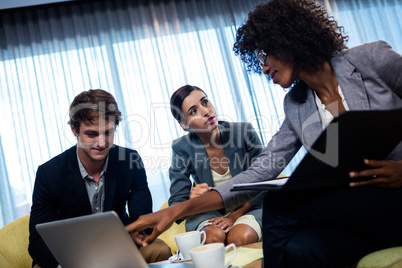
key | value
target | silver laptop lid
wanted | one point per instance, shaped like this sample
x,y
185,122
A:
x,y
96,240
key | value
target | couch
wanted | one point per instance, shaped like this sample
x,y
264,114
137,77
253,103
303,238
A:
x,y
14,244
175,229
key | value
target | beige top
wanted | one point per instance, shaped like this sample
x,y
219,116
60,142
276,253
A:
x,y
220,179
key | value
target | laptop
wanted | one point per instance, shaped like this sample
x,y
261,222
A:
x,y
95,241
350,137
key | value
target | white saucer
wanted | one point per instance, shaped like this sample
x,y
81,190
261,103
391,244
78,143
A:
x,y
175,260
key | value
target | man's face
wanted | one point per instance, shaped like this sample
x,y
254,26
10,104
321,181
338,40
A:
x,y
94,139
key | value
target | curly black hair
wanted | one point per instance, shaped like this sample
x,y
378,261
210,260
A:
x,y
296,30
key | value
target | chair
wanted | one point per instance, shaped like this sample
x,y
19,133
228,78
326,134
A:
x,y
390,257
14,244
169,234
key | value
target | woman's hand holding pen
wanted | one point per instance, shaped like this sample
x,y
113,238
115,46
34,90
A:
x,y
200,189
384,173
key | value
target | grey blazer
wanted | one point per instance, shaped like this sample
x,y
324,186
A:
x,y
370,77
241,145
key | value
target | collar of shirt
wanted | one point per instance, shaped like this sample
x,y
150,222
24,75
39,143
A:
x,y
325,116
83,171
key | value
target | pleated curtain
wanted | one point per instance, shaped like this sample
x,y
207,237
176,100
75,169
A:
x,y
141,52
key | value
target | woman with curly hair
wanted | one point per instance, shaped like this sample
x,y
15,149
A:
x,y
299,46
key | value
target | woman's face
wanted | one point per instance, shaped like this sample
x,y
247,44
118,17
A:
x,y
199,113
281,72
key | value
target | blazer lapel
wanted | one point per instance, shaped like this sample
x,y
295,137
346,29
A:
x,y
200,160
230,147
351,83
111,178
310,122
303,104
77,183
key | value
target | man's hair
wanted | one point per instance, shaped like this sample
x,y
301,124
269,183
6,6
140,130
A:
x,y
176,101
297,30
91,105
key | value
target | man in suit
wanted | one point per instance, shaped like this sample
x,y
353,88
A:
x,y
91,177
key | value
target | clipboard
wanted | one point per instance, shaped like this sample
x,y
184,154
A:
x,y
350,137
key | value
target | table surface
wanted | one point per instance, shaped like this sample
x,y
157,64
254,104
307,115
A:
x,y
255,264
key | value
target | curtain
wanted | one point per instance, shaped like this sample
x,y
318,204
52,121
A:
x,y
369,20
141,52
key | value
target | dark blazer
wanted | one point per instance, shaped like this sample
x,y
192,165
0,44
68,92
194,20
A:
x,y
370,78
60,193
241,145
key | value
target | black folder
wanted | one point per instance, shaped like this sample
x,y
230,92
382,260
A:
x,y
350,137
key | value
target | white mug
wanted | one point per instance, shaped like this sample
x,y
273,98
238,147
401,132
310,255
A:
x,y
212,255
189,240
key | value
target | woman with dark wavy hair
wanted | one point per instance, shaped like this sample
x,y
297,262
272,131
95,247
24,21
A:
x,y
299,46
210,154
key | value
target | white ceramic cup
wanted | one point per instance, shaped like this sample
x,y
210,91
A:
x,y
212,255
189,240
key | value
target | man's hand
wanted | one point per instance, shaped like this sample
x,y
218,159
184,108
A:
x,y
384,173
140,237
200,189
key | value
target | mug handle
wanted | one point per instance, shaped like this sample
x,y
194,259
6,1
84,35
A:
x,y
204,237
233,256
